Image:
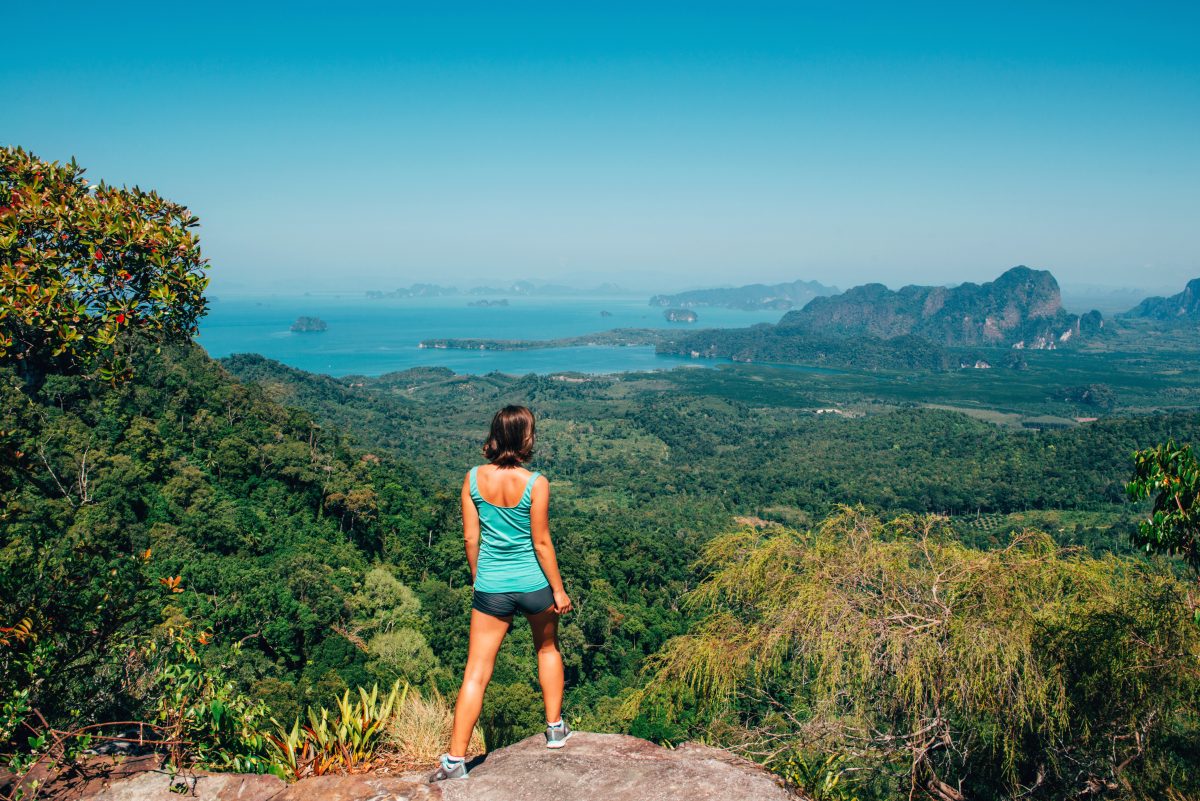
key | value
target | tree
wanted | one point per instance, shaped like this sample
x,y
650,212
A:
x,y
401,653
86,270
949,671
1173,527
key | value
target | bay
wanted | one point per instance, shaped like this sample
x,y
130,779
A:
x,y
374,336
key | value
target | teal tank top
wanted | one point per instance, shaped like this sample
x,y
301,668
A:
x,y
507,561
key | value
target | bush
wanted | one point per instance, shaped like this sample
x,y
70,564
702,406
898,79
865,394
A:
x,y
342,740
936,668
205,718
420,730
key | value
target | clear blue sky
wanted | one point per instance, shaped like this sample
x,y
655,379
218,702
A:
x,y
662,145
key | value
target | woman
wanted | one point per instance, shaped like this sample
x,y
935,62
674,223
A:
x,y
506,525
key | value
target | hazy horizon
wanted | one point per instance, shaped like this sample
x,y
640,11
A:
x,y
660,147
652,286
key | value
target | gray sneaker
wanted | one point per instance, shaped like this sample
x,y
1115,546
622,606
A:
x,y
449,770
557,736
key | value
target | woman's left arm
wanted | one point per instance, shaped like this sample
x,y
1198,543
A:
x,y
543,547
470,518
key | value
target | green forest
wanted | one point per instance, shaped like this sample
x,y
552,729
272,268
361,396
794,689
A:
x,y
885,581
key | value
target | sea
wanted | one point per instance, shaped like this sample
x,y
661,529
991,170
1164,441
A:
x,y
373,336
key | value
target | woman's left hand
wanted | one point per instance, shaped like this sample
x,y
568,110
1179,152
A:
x,y
562,602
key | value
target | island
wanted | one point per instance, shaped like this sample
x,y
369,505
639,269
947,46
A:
x,y
617,337
309,325
487,304
751,297
680,316
414,291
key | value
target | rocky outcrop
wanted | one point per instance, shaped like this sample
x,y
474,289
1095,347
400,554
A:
x,y
309,325
1182,307
154,785
613,767
1021,308
593,767
361,787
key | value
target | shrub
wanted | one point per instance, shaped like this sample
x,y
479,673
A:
x,y
935,668
343,740
1171,474
420,730
202,714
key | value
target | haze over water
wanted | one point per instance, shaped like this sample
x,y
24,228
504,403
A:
x,y
376,336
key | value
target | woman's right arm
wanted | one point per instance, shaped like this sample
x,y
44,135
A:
x,y
539,524
470,518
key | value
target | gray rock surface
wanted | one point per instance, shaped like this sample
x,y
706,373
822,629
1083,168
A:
x,y
592,767
613,767
364,787
154,785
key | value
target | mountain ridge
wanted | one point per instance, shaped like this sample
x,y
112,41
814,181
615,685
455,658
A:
x,y
1184,305
1021,308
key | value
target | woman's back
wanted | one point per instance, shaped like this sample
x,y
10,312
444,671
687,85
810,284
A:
x,y
506,533
507,560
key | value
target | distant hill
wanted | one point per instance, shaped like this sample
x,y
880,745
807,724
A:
x,y
515,288
1184,306
540,289
768,343
414,291
1022,309
749,297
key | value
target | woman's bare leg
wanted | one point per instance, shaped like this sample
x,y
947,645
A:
x,y
550,665
487,633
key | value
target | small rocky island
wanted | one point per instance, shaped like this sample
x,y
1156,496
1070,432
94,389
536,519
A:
x,y
309,325
680,315
487,304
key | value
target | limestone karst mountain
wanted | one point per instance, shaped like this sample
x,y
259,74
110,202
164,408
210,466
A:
x,y
1021,308
1184,306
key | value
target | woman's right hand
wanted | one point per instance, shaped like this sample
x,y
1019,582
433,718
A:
x,y
562,602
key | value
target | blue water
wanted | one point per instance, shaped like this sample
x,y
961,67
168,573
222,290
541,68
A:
x,y
372,337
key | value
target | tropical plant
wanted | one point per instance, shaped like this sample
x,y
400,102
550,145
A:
x,y
1172,475
87,269
822,777
944,669
16,662
206,719
342,740
27,739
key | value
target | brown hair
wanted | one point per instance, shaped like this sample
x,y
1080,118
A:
x,y
510,441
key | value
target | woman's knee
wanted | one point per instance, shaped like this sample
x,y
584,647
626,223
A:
x,y
549,646
478,676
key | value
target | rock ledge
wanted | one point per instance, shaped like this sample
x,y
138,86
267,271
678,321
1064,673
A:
x,y
613,767
592,767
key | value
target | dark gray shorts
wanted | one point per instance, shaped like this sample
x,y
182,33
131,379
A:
x,y
506,604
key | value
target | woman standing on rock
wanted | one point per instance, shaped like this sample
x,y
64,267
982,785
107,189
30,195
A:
x,y
514,569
